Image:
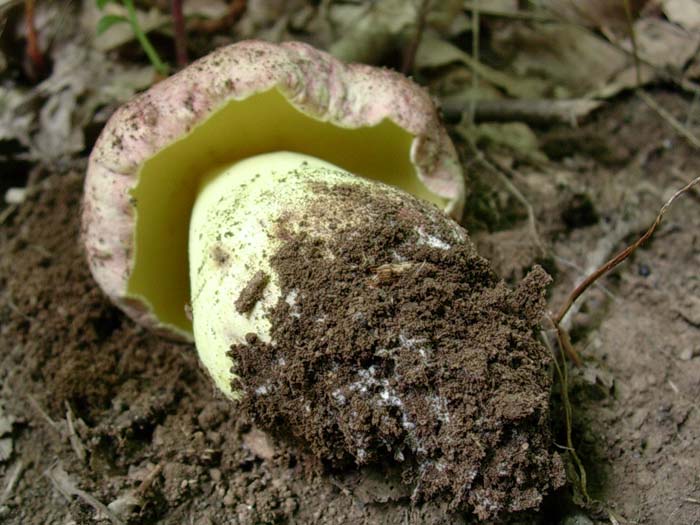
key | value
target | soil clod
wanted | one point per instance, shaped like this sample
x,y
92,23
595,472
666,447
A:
x,y
395,343
252,293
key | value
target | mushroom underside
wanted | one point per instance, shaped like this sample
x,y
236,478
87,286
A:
x,y
266,122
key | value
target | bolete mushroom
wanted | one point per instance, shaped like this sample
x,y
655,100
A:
x,y
301,207
227,130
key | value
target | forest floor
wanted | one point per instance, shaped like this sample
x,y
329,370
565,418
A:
x,y
102,422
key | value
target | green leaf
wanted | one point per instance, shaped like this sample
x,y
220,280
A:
x,y
108,21
102,3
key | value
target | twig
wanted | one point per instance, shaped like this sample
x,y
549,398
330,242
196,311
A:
x,y
502,173
532,111
622,255
563,375
341,486
63,484
583,272
605,247
5,214
563,372
673,121
15,309
409,56
12,479
633,38
516,14
475,56
690,117
148,480
531,218
35,404
564,341
33,51
73,437
180,35
681,177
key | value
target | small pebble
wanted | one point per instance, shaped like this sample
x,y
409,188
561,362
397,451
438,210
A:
x,y
688,353
15,195
577,519
229,498
124,505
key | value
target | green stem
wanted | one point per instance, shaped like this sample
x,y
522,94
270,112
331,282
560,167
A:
x,y
152,54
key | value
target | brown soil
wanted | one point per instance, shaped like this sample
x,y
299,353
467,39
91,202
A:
x,y
151,437
390,348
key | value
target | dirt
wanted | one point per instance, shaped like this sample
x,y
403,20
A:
x,y
252,292
151,439
153,431
395,343
635,404
635,410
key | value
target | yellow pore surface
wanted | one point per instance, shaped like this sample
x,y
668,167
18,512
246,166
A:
x,y
169,181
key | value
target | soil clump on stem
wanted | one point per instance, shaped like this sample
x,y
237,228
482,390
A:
x,y
395,343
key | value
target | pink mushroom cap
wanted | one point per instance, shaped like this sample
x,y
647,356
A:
x,y
314,83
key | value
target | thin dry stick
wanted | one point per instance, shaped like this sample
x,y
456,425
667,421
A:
x,y
12,478
65,485
33,51
409,56
503,173
690,117
5,214
180,35
148,481
35,404
622,255
563,374
633,38
673,121
476,55
532,111
531,218
515,14
582,272
73,436
565,344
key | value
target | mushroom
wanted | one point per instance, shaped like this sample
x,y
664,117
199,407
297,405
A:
x,y
189,182
298,205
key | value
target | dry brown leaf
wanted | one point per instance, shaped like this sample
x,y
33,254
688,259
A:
x,y
663,44
82,80
569,61
685,13
594,13
16,115
367,31
434,51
